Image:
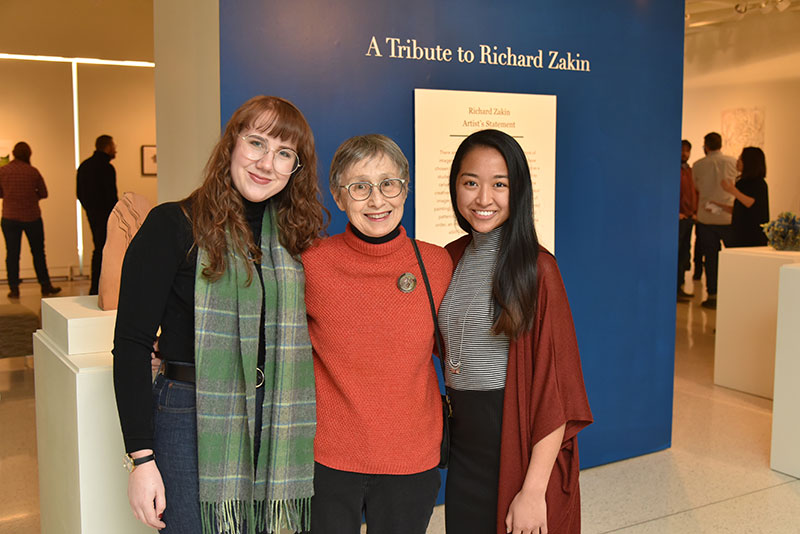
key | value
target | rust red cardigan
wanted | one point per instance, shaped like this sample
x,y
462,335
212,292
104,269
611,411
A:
x,y
544,389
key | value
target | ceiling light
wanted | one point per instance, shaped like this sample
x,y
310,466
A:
x,y
700,24
766,7
741,8
783,5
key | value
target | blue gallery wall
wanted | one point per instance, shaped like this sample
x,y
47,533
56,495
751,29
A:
x,y
618,135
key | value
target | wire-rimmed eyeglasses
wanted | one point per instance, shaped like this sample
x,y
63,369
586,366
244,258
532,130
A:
x,y
284,160
389,188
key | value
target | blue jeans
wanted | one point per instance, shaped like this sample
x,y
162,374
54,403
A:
x,y
392,504
34,231
175,447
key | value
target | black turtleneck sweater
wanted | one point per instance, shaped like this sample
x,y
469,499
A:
x,y
157,290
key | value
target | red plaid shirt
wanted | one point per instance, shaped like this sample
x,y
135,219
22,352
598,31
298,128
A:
x,y
21,187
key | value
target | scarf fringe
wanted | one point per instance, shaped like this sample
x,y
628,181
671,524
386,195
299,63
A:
x,y
237,517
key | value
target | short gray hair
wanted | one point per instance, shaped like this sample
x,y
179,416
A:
x,y
361,147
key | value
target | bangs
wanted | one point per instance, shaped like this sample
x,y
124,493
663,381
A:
x,y
281,121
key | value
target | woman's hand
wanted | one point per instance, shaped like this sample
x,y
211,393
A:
x,y
728,186
155,358
527,514
146,493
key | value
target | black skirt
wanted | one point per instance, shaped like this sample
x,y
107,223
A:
x,y
474,467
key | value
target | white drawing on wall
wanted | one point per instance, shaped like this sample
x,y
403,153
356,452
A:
x,y
742,127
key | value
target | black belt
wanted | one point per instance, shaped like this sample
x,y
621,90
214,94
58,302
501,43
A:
x,y
181,372
185,372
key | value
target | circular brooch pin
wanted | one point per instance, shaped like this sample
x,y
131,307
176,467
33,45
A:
x,y
406,283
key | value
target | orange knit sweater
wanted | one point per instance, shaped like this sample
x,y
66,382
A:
x,y
378,405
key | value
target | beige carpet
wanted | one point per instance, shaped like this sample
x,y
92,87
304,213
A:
x,y
17,325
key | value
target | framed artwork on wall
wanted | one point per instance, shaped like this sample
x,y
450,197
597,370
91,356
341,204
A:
x,y
149,160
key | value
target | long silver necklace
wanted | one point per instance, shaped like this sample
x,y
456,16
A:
x,y
453,360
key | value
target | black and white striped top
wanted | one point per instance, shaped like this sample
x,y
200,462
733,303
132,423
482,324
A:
x,y
466,316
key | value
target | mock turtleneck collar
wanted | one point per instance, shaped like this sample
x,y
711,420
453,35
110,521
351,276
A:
x,y
254,215
490,241
375,249
375,240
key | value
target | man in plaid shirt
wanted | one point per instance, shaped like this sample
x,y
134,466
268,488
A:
x,y
21,188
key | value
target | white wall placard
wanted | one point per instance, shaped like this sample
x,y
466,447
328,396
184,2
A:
x,y
442,119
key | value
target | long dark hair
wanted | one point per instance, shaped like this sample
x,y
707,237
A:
x,y
515,277
216,206
754,164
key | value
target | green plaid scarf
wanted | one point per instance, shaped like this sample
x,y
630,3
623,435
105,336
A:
x,y
235,495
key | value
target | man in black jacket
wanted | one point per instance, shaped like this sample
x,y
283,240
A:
x,y
97,192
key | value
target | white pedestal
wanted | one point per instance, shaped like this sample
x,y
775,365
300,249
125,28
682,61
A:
x,y
785,455
82,483
77,326
747,311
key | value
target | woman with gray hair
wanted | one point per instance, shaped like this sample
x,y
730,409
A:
x,y
379,417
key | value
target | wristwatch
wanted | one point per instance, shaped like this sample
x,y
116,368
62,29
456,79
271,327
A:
x,y
131,463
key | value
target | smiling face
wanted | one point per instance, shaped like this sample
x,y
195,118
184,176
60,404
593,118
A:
x,y
377,215
256,180
482,189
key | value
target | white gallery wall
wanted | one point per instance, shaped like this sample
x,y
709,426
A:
x,y
751,64
120,102
36,105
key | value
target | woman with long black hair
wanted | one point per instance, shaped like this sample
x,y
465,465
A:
x,y
513,368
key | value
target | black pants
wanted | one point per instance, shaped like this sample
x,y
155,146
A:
x,y
698,255
470,502
684,244
34,231
392,504
98,224
711,237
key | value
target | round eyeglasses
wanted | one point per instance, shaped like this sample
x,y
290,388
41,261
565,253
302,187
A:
x,y
389,188
284,160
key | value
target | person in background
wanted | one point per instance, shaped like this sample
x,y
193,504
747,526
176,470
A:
x,y
751,206
21,188
713,222
223,440
97,193
513,368
686,215
379,412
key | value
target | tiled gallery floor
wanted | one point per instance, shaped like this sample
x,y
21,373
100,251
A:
x,y
714,479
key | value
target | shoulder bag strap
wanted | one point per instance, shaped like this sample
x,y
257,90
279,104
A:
x,y
436,334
